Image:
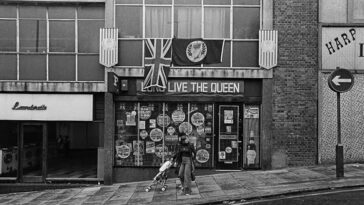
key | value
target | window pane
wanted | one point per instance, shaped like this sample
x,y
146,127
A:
x,y
129,20
158,1
246,2
187,22
88,35
61,12
89,68
130,53
32,67
33,36
7,67
188,2
217,23
158,22
126,133
91,12
7,11
61,36
225,57
246,23
8,35
217,2
245,54
32,12
62,67
129,1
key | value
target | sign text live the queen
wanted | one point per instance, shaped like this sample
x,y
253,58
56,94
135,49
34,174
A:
x,y
222,87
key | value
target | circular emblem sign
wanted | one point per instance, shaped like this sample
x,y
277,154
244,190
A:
x,y
156,134
163,120
123,151
197,119
178,116
171,130
202,156
341,80
228,150
185,127
196,51
143,134
145,112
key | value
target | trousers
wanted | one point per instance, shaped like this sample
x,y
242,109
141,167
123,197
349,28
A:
x,y
185,173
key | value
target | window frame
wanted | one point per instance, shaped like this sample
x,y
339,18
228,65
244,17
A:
x,y
230,39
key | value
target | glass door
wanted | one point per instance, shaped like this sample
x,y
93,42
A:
x,y
228,136
32,152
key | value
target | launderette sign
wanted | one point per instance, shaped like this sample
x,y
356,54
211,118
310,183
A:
x,y
48,107
343,47
199,86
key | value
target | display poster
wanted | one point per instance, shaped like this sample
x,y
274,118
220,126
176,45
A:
x,y
130,118
228,116
152,123
138,148
222,155
150,147
141,125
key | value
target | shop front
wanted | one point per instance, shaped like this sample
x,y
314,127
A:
x,y
48,137
221,118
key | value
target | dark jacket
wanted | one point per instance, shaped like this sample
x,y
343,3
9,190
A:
x,y
184,150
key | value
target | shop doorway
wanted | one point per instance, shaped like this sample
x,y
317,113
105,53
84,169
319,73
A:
x,y
228,137
32,163
237,141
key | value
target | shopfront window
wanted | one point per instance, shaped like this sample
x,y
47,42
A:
x,y
147,134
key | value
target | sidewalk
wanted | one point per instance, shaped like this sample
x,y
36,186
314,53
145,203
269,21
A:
x,y
206,189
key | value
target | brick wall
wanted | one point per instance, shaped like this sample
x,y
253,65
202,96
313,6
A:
x,y
294,135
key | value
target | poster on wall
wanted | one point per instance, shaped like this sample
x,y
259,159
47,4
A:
x,y
130,118
228,116
150,147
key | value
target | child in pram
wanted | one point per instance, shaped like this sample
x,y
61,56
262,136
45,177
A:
x,y
162,176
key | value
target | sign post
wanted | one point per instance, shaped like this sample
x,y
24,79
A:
x,y
340,81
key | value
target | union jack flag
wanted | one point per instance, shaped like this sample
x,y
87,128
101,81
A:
x,y
157,62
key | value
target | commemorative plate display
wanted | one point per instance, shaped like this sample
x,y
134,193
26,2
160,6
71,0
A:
x,y
202,156
185,127
178,116
145,112
143,134
197,119
163,120
156,134
123,151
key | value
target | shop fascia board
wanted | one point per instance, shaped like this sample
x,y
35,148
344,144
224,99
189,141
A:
x,y
56,1
69,87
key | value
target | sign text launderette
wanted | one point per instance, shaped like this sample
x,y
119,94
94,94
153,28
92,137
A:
x,y
190,86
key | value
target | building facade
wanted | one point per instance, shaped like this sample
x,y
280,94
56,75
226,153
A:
x,y
245,112
341,44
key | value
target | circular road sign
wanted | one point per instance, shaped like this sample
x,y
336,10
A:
x,y
341,80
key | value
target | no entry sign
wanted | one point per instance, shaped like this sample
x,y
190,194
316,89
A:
x,y
341,80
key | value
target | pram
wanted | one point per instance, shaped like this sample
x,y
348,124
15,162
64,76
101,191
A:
x,y
161,177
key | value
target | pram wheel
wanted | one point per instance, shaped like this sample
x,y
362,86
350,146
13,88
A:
x,y
147,189
164,188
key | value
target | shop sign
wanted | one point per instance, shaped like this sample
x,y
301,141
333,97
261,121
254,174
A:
x,y
60,107
342,47
197,86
